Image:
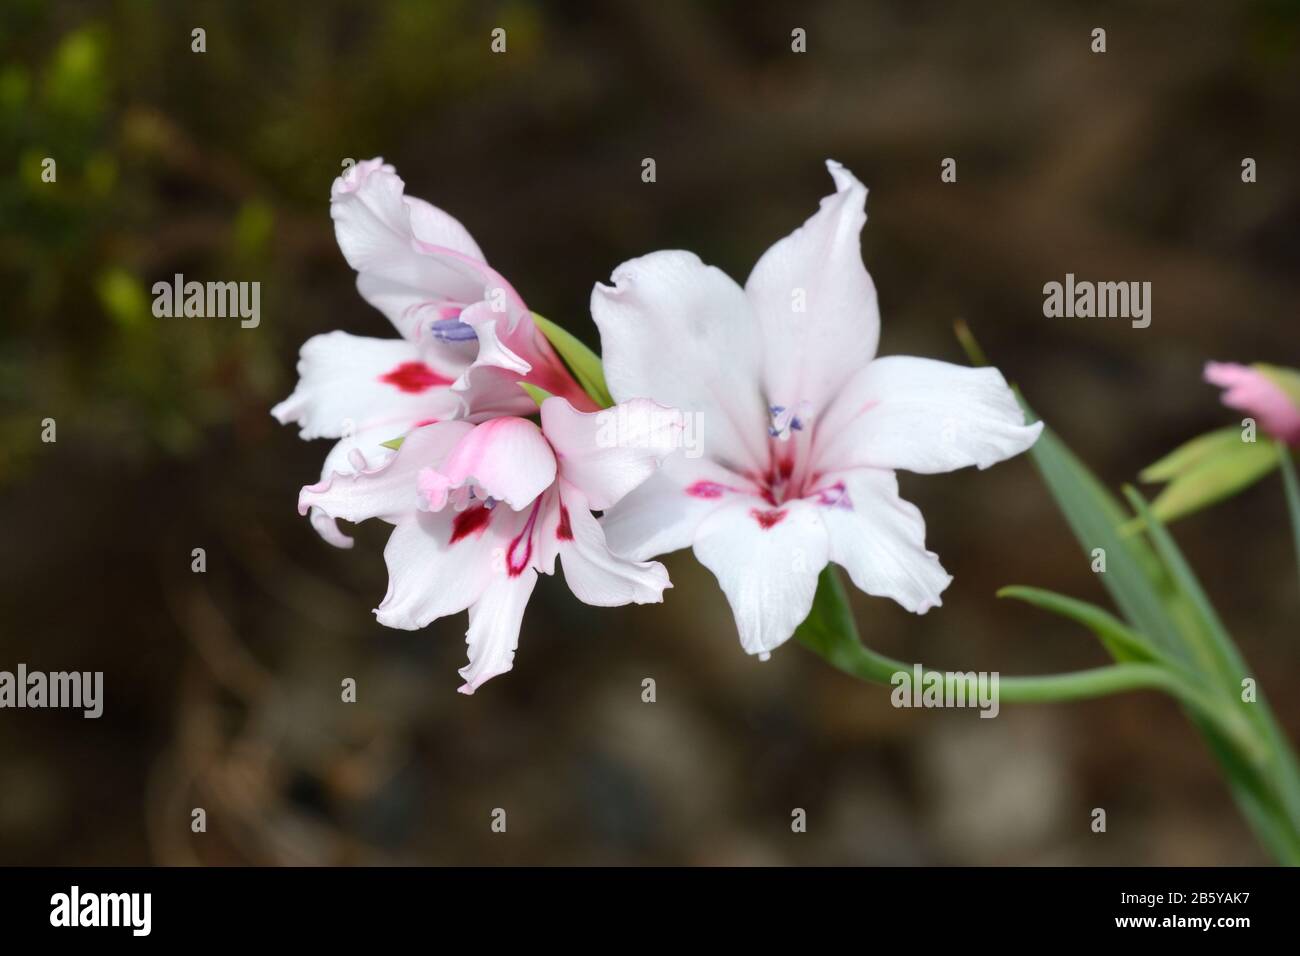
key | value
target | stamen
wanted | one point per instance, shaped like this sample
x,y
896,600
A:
x,y
452,330
785,419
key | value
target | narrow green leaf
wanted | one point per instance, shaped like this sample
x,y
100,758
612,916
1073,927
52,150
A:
x,y
1191,453
1123,643
1153,596
538,395
1231,468
1282,773
1218,654
969,344
582,361
1292,493
394,443
1134,576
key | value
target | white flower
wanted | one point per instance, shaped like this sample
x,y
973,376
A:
x,y
467,340
803,427
480,510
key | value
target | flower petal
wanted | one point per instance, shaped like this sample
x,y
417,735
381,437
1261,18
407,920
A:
x,y
766,560
508,458
349,383
595,574
880,540
920,415
433,227
357,452
435,570
494,621
815,301
401,271
1251,391
609,452
682,333
663,513
390,490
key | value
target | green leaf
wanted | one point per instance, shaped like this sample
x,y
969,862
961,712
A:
x,y
393,443
582,361
1292,493
1134,577
1228,470
1281,775
1123,643
1193,452
1161,599
538,395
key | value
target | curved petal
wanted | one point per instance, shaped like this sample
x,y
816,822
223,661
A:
x,y
767,561
1251,391
682,333
494,621
391,490
433,227
880,539
360,451
412,280
349,383
815,302
594,574
663,513
920,415
609,452
508,458
438,564
492,353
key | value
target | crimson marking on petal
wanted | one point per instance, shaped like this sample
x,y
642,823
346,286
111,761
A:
x,y
563,531
426,421
517,562
470,521
707,489
413,377
767,519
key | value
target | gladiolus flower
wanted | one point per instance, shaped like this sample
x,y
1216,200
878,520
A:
x,y
803,427
480,510
467,340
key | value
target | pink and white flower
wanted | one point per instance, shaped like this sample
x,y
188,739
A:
x,y
467,338
803,426
1251,390
480,510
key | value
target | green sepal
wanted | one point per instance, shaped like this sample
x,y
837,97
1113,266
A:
x,y
581,360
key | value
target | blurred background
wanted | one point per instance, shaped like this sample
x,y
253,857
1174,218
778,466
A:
x,y
222,689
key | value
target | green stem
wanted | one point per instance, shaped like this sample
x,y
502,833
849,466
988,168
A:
x,y
862,662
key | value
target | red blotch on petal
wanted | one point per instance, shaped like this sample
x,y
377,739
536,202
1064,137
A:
x,y
767,519
706,489
413,377
470,521
563,531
